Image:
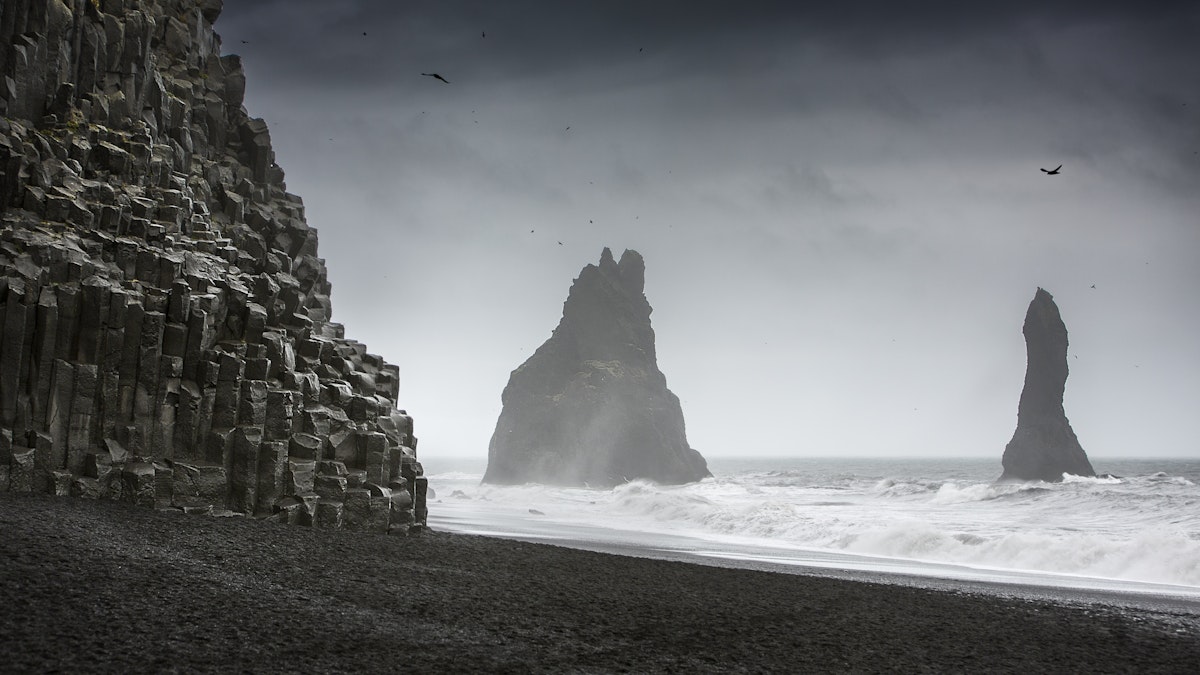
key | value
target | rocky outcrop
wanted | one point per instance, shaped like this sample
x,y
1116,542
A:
x,y
165,333
591,407
1044,446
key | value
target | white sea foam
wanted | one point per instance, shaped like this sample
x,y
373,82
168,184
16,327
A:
x,y
952,493
1161,557
1103,480
455,476
1144,526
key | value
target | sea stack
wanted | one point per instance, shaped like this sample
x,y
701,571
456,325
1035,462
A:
x,y
590,407
1044,446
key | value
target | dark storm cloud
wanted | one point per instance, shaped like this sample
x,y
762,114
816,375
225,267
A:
x,y
748,60
311,40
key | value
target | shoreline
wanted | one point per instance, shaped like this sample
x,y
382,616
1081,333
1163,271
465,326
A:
x,y
1154,601
103,586
504,520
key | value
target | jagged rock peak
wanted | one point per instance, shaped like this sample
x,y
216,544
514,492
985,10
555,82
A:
x,y
606,259
1044,446
165,320
591,407
629,274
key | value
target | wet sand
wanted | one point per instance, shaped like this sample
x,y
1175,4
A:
x,y
104,587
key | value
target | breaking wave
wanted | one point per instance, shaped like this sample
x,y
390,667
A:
x,y
1141,527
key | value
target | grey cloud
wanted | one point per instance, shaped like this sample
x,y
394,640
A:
x,y
807,182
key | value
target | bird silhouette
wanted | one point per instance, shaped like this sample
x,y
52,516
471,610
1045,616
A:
x,y
560,243
483,33
1052,172
436,77
1093,285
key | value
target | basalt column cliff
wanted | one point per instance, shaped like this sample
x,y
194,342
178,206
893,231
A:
x,y
1044,446
591,407
165,333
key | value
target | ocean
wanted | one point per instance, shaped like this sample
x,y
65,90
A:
x,y
1136,531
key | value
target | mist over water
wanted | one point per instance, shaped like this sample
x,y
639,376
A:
x,y
930,517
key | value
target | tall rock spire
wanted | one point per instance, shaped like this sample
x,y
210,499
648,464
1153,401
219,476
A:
x,y
1044,446
591,407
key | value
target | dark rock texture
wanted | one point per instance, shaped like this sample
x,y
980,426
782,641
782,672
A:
x,y
165,333
591,407
1044,446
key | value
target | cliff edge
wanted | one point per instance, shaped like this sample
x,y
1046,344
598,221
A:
x,y
165,332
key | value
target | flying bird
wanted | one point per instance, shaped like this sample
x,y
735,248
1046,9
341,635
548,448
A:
x,y
560,243
483,33
1053,172
1093,285
439,77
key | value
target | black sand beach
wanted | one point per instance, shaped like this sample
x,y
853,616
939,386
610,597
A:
x,y
90,586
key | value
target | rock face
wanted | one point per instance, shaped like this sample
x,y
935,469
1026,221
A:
x,y
1044,446
591,407
165,333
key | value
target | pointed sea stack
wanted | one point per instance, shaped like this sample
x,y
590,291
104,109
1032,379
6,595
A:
x,y
1044,446
591,407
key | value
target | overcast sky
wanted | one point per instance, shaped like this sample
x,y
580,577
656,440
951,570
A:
x,y
840,208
